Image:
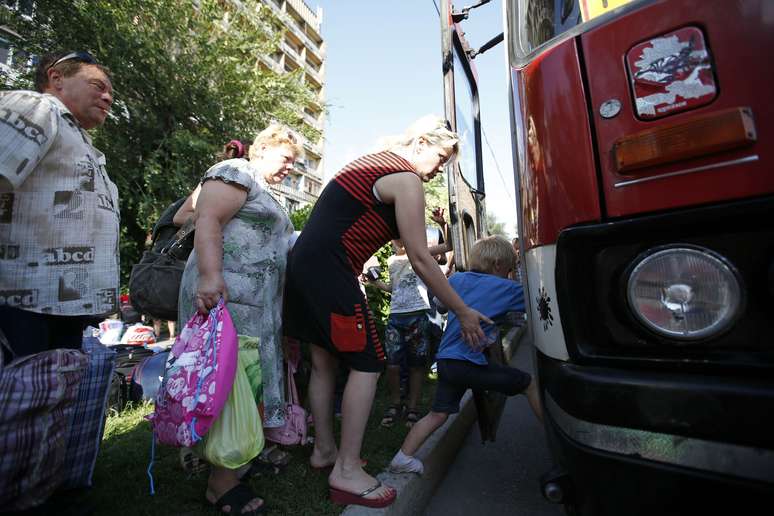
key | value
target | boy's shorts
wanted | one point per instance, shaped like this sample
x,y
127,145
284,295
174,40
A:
x,y
457,376
408,335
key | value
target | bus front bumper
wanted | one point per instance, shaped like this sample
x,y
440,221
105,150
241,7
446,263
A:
x,y
648,442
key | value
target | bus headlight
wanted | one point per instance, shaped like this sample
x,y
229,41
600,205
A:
x,y
685,293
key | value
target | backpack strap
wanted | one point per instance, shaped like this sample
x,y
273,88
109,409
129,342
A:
x,y
292,386
212,343
166,218
150,465
180,240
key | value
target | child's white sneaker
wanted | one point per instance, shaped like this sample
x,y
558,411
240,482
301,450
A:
x,y
403,463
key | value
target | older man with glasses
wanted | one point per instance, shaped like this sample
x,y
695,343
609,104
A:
x,y
58,208
58,273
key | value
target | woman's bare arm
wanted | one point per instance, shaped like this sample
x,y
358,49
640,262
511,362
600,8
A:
x,y
406,193
217,204
186,211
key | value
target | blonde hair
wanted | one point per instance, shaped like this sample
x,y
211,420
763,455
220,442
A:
x,y
275,135
490,252
434,129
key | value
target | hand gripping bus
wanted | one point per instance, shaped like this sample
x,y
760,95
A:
x,y
643,143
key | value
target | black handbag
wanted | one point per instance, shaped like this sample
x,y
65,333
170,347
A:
x,y
154,284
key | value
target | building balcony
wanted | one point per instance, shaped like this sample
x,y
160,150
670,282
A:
x,y
313,148
292,193
309,16
313,121
292,52
271,64
314,74
291,24
316,48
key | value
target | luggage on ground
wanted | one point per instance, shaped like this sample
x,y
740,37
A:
x,y
87,422
38,395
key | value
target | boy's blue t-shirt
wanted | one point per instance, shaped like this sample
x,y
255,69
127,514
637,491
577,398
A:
x,y
491,295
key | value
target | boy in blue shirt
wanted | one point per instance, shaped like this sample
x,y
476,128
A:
x,y
486,289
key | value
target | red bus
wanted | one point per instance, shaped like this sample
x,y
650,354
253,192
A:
x,y
643,144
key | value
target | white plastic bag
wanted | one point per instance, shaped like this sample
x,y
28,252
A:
x,y
111,331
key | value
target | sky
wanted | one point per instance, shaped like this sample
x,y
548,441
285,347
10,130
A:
x,y
383,71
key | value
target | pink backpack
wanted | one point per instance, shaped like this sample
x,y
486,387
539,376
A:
x,y
294,429
198,379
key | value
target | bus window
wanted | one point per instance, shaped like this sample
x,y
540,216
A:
x,y
468,233
465,112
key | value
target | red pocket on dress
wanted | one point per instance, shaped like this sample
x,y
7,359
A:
x,y
348,333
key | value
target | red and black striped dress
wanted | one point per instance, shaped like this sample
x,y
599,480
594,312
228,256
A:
x,y
324,304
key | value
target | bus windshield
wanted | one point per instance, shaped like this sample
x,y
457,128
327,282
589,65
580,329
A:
x,y
540,21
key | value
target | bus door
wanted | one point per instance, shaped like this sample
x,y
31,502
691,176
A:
x,y
461,105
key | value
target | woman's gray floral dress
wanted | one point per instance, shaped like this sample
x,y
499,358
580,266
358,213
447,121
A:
x,y
255,249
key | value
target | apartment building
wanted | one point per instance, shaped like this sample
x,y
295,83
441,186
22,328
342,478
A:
x,y
303,48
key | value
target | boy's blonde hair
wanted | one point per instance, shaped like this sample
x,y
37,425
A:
x,y
274,135
490,252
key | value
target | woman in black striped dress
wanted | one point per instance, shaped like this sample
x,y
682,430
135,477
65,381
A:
x,y
374,199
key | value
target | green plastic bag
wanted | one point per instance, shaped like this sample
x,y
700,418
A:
x,y
250,355
236,437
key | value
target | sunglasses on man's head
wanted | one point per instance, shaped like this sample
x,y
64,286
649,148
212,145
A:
x,y
83,57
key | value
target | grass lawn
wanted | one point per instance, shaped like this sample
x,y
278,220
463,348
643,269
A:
x,y
121,485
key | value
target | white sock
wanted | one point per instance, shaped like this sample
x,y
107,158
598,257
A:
x,y
403,463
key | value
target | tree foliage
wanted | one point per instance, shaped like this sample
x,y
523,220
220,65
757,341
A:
x,y
187,78
436,196
300,217
494,226
379,300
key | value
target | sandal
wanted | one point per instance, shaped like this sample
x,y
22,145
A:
x,y
412,416
237,497
274,456
256,468
390,415
191,463
342,497
271,461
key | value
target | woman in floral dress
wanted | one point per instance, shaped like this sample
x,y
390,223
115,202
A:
x,y
240,253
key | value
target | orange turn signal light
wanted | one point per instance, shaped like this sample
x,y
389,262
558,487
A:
x,y
691,138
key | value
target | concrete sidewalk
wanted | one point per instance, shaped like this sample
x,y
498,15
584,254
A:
x,y
437,454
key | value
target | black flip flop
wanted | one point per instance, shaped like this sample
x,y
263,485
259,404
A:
x,y
237,497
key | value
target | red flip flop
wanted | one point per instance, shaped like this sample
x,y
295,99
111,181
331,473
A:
x,y
346,498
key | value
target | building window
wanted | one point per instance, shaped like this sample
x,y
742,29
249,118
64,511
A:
x,y
5,51
20,59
